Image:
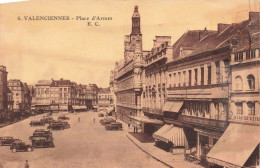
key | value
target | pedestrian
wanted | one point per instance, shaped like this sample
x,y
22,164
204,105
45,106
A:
x,y
94,120
79,119
26,165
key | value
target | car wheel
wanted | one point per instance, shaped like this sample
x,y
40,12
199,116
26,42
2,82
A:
x,y
13,150
29,149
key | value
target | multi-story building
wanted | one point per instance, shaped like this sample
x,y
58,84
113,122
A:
x,y
18,90
128,75
154,89
6,96
42,95
199,92
239,145
105,100
63,94
92,96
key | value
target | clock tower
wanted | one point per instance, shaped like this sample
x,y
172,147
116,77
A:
x,y
136,22
133,42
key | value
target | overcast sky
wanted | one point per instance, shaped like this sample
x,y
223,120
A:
x,y
36,50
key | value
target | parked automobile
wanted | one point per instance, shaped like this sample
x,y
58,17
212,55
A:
x,y
66,124
42,139
58,125
63,118
100,115
46,119
114,126
6,140
20,146
37,123
107,121
41,133
42,142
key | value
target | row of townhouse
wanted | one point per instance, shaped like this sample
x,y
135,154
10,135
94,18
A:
x,y
200,94
64,95
15,97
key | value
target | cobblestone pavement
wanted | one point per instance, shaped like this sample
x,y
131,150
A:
x,y
85,145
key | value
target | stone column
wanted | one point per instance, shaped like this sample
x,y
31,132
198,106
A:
x,y
222,70
192,76
257,53
245,108
187,78
213,73
212,111
257,109
206,74
181,79
199,76
198,146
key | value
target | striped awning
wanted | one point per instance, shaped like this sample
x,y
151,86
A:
x,y
170,133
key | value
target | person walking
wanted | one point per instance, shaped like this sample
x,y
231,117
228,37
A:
x,y
79,119
26,165
94,120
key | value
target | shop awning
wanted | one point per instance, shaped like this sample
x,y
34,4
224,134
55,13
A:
x,y
173,106
167,106
176,136
235,146
159,134
63,107
176,106
146,120
171,133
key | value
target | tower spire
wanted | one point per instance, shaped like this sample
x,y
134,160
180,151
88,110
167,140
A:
x,y
136,22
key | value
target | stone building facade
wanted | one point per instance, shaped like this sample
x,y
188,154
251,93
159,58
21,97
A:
x,y
129,74
6,96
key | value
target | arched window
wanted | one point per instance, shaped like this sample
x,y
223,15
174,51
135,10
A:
x,y
251,108
238,83
239,108
251,82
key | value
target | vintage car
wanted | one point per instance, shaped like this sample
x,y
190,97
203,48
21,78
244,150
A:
x,y
41,133
100,115
37,123
42,142
6,140
47,119
114,126
107,121
63,118
20,146
66,124
58,125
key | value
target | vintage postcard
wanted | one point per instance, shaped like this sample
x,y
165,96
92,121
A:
x,y
129,84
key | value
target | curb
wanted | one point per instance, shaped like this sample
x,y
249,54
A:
x,y
149,153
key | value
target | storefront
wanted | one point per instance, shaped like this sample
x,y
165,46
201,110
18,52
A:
x,y
145,125
171,137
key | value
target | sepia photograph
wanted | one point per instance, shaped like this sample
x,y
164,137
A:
x,y
129,83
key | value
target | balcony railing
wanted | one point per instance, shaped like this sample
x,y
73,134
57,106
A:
x,y
203,121
247,118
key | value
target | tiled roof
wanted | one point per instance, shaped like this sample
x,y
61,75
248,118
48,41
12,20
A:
x,y
188,39
236,31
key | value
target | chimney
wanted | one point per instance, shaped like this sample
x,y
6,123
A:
x,y
222,27
203,33
254,16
